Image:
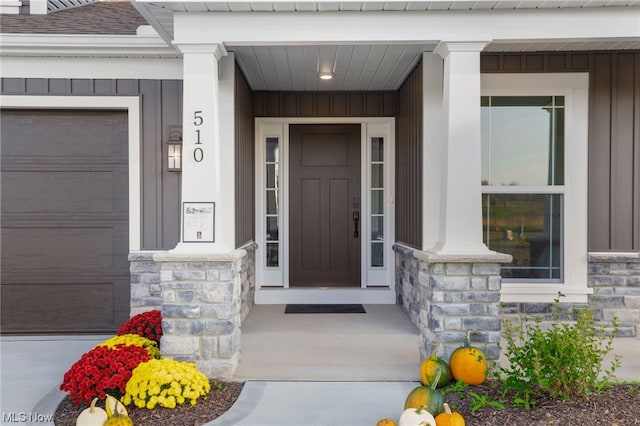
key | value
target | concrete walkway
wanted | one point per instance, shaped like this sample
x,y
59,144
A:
x,y
32,369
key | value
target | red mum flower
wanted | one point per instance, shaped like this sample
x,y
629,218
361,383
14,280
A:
x,y
102,371
147,324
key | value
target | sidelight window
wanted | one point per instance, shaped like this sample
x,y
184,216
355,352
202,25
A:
x,y
377,201
272,208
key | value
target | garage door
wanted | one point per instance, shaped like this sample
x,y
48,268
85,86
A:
x,y
64,221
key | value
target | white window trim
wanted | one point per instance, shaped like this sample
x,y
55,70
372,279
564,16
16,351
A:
x,y
575,88
377,284
131,104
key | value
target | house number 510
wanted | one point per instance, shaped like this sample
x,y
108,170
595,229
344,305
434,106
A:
x,y
198,153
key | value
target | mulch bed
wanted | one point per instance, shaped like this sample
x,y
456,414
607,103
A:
x,y
217,403
615,406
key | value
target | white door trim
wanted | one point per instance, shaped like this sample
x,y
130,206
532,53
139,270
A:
x,y
377,284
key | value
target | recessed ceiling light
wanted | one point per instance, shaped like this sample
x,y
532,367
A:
x,y
325,75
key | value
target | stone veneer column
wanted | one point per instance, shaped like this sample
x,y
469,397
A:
x,y
447,295
204,300
146,291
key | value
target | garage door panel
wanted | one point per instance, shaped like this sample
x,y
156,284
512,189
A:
x,y
58,248
84,191
59,307
65,231
92,134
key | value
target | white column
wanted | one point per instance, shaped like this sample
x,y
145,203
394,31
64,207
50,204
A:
x,y
432,148
460,218
207,157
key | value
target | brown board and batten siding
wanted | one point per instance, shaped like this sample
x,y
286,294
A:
x,y
409,161
161,107
614,136
245,161
324,104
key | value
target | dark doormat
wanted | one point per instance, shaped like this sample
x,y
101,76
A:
x,y
325,309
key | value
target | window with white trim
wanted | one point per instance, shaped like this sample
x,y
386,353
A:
x,y
534,182
523,183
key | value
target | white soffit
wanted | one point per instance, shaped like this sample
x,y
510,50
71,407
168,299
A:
x,y
356,67
392,5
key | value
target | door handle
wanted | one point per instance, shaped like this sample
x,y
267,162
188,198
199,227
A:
x,y
356,219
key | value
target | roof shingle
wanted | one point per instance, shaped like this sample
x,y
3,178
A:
x,y
117,17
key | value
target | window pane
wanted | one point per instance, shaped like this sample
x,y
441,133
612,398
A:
x,y
272,202
377,228
528,227
272,254
377,152
522,141
377,178
272,170
377,201
377,254
272,229
272,150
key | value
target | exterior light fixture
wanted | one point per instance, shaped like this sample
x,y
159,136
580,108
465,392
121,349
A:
x,y
174,149
325,75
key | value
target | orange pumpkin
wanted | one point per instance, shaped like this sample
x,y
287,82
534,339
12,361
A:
x,y
468,364
449,418
386,422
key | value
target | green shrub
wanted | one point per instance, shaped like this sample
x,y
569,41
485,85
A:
x,y
562,360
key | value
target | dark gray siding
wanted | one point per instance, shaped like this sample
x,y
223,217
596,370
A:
x,y
614,137
324,104
245,165
161,107
409,161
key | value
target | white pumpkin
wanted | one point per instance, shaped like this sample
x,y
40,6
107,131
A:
x,y
113,406
92,416
416,417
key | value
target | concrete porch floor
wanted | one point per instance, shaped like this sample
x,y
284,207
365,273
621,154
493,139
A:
x,y
381,345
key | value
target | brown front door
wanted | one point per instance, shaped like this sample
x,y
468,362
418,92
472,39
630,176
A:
x,y
324,242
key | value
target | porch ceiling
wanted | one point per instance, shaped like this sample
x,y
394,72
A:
x,y
356,67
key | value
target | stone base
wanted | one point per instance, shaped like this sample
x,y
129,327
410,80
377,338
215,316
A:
x,y
615,279
203,298
447,296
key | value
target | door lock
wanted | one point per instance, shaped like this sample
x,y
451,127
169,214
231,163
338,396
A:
x,y
356,219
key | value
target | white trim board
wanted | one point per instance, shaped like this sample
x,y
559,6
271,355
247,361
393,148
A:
x,y
89,45
382,296
131,104
93,68
512,26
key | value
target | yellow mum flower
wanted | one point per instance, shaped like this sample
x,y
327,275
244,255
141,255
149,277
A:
x,y
166,383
